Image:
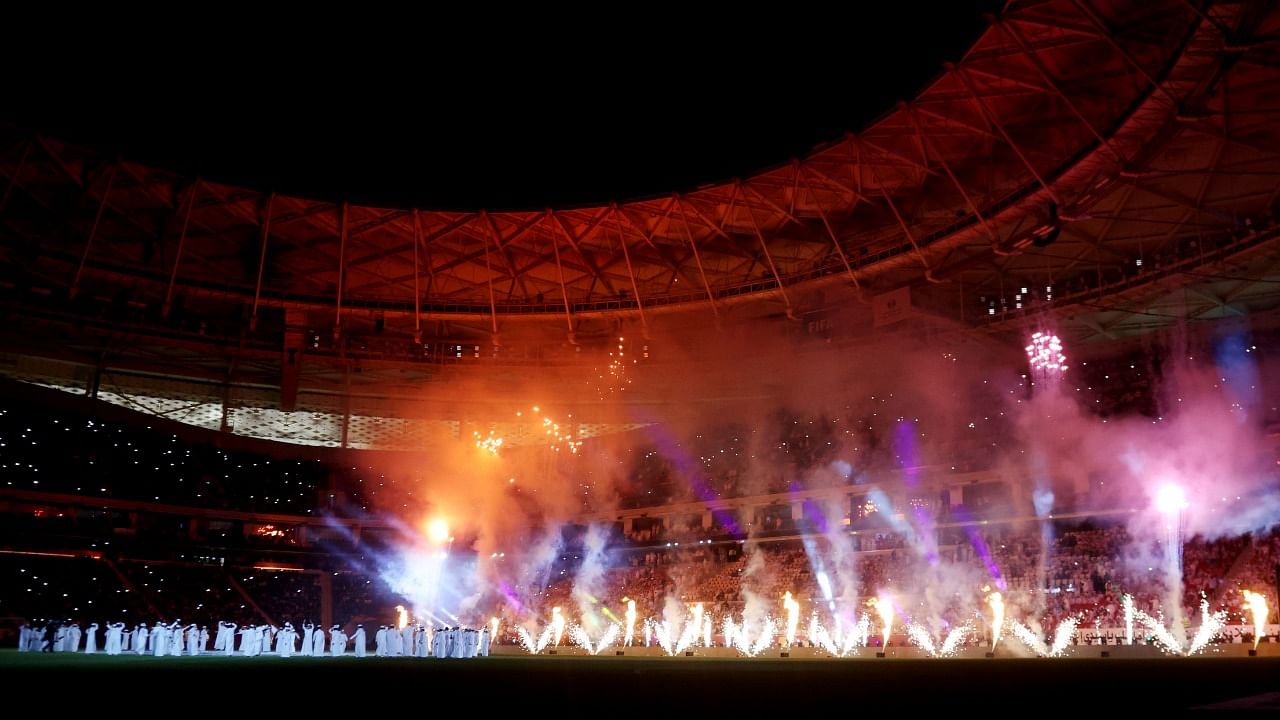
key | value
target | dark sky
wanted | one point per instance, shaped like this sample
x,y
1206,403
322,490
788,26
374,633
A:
x,y
492,119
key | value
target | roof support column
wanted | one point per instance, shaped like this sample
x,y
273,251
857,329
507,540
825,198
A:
x,y
93,232
635,288
697,258
564,291
262,261
342,268
182,240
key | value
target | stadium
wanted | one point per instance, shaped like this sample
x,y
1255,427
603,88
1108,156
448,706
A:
x,y
979,397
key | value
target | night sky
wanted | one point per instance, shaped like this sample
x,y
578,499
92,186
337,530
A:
x,y
445,119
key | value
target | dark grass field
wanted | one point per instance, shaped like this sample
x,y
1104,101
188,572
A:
x,y
631,685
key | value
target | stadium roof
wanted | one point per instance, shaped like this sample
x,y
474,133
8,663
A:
x,y
1116,163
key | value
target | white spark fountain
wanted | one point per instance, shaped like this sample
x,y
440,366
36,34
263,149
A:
x,y
1211,625
1061,637
920,637
579,635
738,637
531,646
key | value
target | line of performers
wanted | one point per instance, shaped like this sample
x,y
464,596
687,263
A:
x,y
175,639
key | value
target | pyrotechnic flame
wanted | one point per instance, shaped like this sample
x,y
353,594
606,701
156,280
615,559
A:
x,y
793,617
997,617
884,608
1127,602
1257,605
402,617
557,624
493,629
631,623
697,623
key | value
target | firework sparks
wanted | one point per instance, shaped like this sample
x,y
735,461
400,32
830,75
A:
x,y
1045,355
490,444
493,628
996,601
1256,603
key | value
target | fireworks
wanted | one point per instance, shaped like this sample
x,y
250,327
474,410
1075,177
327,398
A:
x,y
997,617
493,628
1171,499
491,444
614,376
437,530
402,617
1045,355
1256,603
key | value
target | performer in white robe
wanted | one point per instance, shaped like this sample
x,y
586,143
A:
x,y
337,641
284,641
420,643
203,639
73,638
115,632
159,639
437,643
140,639
229,643
246,640
357,637
307,630
406,640
193,640
317,642
484,642
126,640
380,642
91,639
